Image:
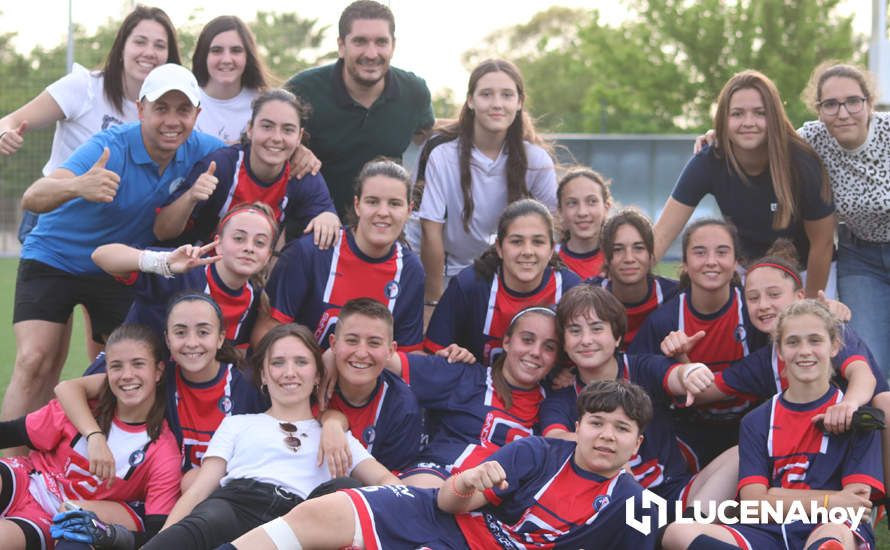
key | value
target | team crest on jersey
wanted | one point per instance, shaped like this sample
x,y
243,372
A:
x,y
391,289
740,333
224,404
600,502
136,457
369,434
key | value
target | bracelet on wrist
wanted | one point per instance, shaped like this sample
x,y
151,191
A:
x,y
431,303
468,494
91,434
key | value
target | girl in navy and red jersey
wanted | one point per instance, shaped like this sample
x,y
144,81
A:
x,y
583,200
786,458
233,277
518,271
474,411
628,246
771,284
591,323
711,304
309,285
255,170
204,383
382,411
128,419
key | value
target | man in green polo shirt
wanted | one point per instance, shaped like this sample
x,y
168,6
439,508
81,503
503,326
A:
x,y
361,107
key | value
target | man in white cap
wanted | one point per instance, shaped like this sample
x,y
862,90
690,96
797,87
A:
x,y
107,191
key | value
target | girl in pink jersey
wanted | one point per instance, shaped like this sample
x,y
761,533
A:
x,y
204,383
583,199
128,418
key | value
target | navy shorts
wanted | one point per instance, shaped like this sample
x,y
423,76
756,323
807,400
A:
x,y
397,516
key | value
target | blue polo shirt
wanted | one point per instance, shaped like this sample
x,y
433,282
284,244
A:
x,y
65,237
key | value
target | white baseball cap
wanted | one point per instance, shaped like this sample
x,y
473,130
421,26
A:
x,y
169,77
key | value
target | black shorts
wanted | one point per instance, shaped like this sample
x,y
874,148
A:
x,y
45,293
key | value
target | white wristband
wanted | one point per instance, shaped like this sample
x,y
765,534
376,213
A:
x,y
153,261
693,368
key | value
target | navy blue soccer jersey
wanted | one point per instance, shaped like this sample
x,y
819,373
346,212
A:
x,y
291,198
780,446
474,312
760,374
467,419
659,465
659,290
389,424
551,502
728,335
195,410
309,286
153,292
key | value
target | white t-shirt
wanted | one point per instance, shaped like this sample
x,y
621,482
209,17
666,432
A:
x,y
81,96
860,178
253,447
443,199
225,119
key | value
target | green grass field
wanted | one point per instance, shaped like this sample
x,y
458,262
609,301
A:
x,y
77,358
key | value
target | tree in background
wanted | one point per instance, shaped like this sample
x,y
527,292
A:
x,y
661,69
288,42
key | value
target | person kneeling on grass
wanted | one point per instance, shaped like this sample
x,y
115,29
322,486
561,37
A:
x,y
534,492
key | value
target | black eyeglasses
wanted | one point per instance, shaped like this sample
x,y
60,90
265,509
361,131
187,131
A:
x,y
291,439
853,104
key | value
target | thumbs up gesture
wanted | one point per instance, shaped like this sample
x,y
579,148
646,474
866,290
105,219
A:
x,y
99,184
205,185
12,140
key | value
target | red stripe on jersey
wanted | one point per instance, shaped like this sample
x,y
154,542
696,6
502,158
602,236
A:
x,y
502,425
877,487
351,276
503,306
740,540
793,439
362,417
586,266
724,342
753,480
852,358
563,503
637,314
234,306
245,190
365,519
129,279
201,410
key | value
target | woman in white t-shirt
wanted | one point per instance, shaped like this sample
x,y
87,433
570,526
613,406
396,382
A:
x,y
474,168
231,74
84,103
259,466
